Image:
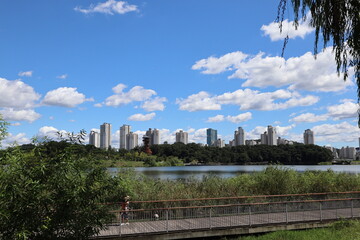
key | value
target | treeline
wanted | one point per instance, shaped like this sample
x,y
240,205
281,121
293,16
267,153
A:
x,y
178,154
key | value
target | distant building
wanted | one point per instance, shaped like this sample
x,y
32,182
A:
x,y
283,141
239,137
348,152
105,136
271,136
94,139
182,137
211,135
131,140
308,137
333,151
124,130
232,143
250,142
154,136
219,143
264,138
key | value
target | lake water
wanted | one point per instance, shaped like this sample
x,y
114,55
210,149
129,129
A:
x,y
183,172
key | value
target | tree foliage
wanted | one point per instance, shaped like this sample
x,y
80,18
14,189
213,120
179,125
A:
x,y
3,129
51,193
334,20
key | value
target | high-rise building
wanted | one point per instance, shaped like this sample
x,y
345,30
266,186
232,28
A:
x,y
154,136
308,137
94,139
219,143
182,137
264,138
271,136
211,135
124,130
347,152
239,137
131,140
105,136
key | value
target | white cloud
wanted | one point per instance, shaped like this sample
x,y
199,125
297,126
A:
x,y
26,74
213,65
345,110
156,104
239,118
15,124
198,102
11,114
135,94
141,117
298,73
217,118
64,97
284,131
50,132
17,94
98,105
341,132
110,7
288,28
18,139
64,76
197,136
309,117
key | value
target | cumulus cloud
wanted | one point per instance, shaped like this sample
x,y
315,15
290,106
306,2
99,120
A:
x,y
288,29
197,136
11,114
65,97
110,7
298,73
217,118
309,117
135,94
347,109
64,76
17,94
25,74
18,139
198,102
142,117
239,118
341,132
246,99
50,132
156,104
98,105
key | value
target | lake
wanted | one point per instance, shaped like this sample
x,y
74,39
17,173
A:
x,y
184,172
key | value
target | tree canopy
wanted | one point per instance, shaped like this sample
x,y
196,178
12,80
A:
x,y
334,20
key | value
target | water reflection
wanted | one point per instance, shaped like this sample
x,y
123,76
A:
x,y
185,172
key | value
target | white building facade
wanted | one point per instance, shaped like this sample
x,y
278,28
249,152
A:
x,y
239,137
182,137
308,137
124,130
94,139
105,136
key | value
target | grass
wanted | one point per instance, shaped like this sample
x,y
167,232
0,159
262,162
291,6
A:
x,y
342,230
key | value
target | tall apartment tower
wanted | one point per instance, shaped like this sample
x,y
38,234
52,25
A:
x,y
124,130
131,140
94,139
154,136
105,136
272,136
239,137
211,136
264,138
308,137
182,137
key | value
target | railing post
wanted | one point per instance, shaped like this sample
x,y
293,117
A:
x,y
269,213
167,220
120,223
249,215
210,210
286,211
320,206
352,208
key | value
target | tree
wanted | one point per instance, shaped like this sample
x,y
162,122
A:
x,y
336,20
3,129
52,195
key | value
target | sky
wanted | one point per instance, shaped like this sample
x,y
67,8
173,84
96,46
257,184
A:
x,y
67,65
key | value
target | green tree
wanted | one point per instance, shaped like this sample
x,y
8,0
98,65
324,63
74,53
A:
x,y
3,129
334,20
52,196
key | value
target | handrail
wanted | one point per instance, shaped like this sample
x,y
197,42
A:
x,y
237,197
232,205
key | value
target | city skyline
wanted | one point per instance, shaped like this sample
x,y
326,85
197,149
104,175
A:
x,y
172,65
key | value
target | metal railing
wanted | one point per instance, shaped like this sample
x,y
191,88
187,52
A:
x,y
157,220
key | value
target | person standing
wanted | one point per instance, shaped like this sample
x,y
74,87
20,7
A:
x,y
125,211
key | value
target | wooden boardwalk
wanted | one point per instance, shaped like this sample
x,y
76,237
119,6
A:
x,y
141,228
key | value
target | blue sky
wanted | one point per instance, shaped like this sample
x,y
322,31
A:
x,y
167,64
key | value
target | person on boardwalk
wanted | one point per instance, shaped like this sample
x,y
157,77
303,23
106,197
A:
x,y
125,211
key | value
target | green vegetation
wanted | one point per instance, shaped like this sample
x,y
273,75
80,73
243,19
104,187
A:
x,y
342,230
